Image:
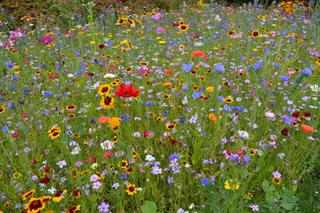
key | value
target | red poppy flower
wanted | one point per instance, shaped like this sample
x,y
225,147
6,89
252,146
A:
x,y
307,129
15,134
53,76
107,155
126,91
197,53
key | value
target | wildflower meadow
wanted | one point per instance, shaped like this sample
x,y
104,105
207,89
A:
x,y
201,108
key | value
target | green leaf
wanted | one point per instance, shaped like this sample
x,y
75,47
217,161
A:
x,y
149,207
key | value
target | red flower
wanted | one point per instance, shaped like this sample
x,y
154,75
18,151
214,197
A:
x,y
126,91
107,155
15,134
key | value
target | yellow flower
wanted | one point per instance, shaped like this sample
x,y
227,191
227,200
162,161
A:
x,y
2,109
228,100
210,89
230,184
16,175
28,194
104,89
162,42
35,205
114,123
107,102
131,189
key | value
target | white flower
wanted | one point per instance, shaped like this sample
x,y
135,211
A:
x,y
136,134
269,115
52,190
109,75
76,150
243,134
150,158
107,145
315,88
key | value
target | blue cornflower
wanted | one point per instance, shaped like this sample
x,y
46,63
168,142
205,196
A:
x,y
219,67
125,117
185,87
205,181
173,157
306,72
197,95
47,93
284,78
257,65
10,64
187,67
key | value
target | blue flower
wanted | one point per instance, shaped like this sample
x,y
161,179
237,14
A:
x,y
196,95
284,78
79,72
173,157
205,181
92,121
220,98
47,93
185,87
219,67
257,65
187,67
10,64
125,117
11,106
4,129
306,72
26,91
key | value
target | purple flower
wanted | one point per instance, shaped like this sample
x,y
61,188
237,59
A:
x,y
205,181
115,185
219,67
62,164
96,185
170,180
103,207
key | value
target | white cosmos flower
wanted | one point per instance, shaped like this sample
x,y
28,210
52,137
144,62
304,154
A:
x,y
315,88
109,75
107,145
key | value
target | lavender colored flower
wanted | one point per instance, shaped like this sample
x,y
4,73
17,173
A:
x,y
103,207
219,67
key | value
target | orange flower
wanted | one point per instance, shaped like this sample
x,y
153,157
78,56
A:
x,y
213,117
307,129
103,120
197,53
170,71
167,84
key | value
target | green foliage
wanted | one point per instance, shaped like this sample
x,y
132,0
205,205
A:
x,y
149,207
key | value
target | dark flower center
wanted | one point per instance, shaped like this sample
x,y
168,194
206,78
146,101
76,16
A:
x,y
36,204
107,100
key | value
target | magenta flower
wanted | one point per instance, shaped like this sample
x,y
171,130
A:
x,y
46,39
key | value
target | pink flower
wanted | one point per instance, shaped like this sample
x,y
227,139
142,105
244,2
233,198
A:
x,y
160,30
156,16
46,39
